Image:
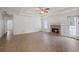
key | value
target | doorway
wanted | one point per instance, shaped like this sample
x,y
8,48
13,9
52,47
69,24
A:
x,y
45,25
9,28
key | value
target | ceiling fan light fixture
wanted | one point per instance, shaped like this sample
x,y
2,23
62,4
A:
x,y
42,12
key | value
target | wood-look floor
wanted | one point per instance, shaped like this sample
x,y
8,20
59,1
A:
x,y
38,42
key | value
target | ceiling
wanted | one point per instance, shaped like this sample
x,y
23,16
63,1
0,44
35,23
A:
x,y
34,10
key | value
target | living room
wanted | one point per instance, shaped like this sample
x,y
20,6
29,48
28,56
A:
x,y
39,29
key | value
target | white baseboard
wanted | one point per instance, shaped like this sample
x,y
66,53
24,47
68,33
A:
x,y
25,32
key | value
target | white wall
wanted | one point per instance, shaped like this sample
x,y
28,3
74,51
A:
x,y
26,24
61,18
2,30
4,17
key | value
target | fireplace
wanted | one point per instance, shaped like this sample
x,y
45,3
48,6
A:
x,y
55,28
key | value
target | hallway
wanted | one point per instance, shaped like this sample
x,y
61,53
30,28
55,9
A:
x,y
38,42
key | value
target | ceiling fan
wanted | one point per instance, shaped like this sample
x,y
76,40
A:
x,y
43,10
